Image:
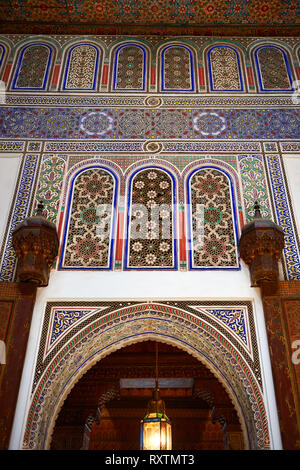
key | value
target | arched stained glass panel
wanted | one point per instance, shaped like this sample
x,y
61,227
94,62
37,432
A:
x,y
177,72
33,68
212,235
130,68
273,69
82,68
88,240
151,241
224,69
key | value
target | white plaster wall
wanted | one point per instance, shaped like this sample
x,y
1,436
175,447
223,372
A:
x,y
150,285
9,169
292,168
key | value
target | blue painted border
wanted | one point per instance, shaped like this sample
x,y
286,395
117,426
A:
x,y
288,69
175,251
2,54
189,220
115,67
210,70
68,66
113,225
16,76
191,69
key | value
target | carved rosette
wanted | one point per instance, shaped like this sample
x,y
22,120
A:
x,y
36,244
260,247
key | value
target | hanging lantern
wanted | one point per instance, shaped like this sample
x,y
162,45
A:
x,y
156,429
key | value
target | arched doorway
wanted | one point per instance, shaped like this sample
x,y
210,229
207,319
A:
x,y
101,328
103,410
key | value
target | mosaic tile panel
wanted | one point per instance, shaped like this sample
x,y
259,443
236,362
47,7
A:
x,y
284,217
20,211
89,235
82,68
224,68
50,185
33,68
151,221
177,69
130,124
254,185
130,68
273,69
212,239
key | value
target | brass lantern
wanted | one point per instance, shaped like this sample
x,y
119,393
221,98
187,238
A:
x,y
156,429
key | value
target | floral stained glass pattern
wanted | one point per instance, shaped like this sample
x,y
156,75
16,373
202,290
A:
x,y
89,237
81,70
177,70
130,68
272,69
224,69
213,241
151,238
33,65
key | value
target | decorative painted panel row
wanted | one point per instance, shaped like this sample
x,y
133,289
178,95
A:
x,y
132,68
152,232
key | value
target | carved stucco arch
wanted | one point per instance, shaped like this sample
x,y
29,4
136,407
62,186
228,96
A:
x,y
142,322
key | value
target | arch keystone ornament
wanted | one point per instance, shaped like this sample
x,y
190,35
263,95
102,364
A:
x,y
122,323
260,246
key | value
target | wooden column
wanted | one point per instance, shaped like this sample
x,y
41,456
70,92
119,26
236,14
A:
x,y
35,242
16,306
260,246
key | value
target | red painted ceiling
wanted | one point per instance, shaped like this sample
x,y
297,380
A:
x,y
226,17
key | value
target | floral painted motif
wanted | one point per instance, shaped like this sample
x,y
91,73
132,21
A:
x,y
254,186
224,69
177,69
151,238
33,65
81,71
89,238
50,185
272,69
213,242
130,68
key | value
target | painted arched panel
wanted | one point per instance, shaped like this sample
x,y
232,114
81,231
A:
x,y
89,232
212,227
33,68
224,69
273,69
82,68
177,69
129,68
151,221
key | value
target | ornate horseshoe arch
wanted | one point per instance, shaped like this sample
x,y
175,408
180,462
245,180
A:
x,y
97,329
